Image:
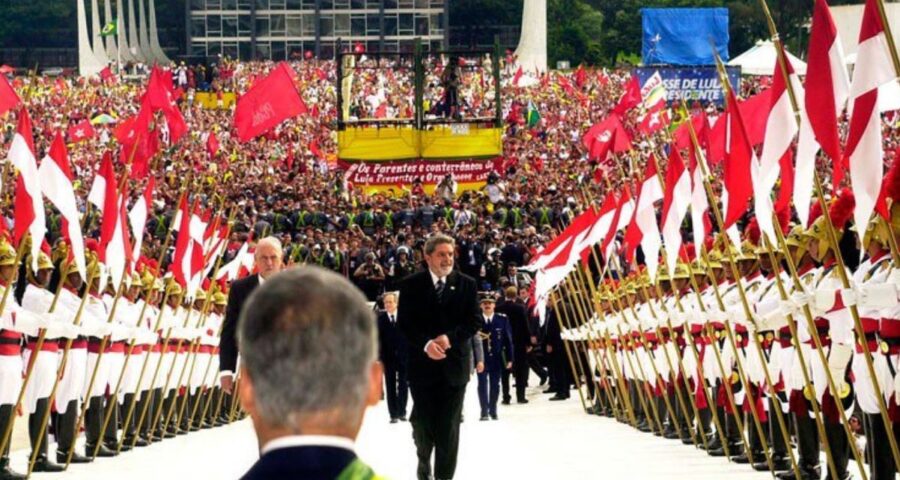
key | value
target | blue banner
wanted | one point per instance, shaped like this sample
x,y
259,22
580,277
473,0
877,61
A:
x,y
683,36
691,83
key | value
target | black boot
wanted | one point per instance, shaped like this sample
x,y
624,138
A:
x,y
7,473
43,464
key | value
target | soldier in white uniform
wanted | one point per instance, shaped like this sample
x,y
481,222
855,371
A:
x,y
11,366
35,301
71,385
96,326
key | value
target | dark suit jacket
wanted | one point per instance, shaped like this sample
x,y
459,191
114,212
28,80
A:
x,y
422,317
306,462
518,322
237,296
392,349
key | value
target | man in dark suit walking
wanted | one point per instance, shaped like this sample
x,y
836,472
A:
x,y
268,261
439,314
517,314
392,353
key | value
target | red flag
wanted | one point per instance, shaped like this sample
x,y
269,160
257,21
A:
x,y
517,77
580,76
270,101
29,201
81,131
865,149
8,97
738,158
314,148
631,98
827,86
110,212
106,75
212,145
608,135
655,120
181,244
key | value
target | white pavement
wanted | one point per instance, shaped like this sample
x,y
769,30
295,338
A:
x,y
541,440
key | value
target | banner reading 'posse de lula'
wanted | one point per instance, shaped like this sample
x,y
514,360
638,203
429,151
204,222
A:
x,y
691,83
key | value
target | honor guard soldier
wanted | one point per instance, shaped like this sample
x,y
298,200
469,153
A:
x,y
497,343
36,300
11,366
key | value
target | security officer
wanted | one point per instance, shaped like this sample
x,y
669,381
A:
x,y
497,341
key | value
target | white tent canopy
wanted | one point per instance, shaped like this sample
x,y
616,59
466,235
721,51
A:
x,y
760,60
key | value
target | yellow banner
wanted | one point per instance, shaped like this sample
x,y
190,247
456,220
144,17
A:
x,y
404,143
210,100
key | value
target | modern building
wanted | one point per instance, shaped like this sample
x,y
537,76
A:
x,y
284,29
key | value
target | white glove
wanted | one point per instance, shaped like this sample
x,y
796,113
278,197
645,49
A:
x,y
850,296
879,295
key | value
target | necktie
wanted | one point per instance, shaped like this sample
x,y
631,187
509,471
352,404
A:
x,y
439,289
392,319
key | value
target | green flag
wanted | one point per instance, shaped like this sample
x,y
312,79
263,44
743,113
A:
x,y
109,29
532,115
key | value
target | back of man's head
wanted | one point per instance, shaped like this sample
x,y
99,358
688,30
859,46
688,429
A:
x,y
308,345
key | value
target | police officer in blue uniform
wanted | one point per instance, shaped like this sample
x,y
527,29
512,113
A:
x,y
496,337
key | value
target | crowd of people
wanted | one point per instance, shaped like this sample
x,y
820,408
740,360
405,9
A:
x,y
288,184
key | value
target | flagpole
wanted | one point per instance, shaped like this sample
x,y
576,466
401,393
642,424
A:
x,y
113,395
718,215
59,374
833,238
204,318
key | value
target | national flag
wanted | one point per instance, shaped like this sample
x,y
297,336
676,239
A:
x,y
8,97
864,142
270,101
117,250
83,130
827,86
599,228
193,264
781,128
29,202
138,217
105,175
676,200
630,98
643,229
739,157
182,245
109,29
56,184
621,219
532,115
700,223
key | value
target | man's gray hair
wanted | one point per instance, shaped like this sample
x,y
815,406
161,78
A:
x,y
273,242
437,239
307,340
394,294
